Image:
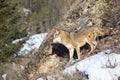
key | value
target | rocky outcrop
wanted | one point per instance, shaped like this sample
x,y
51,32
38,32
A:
x,y
81,14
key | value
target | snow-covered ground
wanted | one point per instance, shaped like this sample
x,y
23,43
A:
x,y
17,40
103,66
31,44
4,76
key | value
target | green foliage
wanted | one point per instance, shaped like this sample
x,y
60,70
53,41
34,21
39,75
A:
x,y
8,52
36,17
9,28
40,11
39,4
45,14
13,22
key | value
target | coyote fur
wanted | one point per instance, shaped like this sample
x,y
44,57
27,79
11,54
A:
x,y
75,40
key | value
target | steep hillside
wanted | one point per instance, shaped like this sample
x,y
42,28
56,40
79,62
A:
x,y
80,14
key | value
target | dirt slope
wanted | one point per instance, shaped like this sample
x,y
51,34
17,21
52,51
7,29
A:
x,y
82,14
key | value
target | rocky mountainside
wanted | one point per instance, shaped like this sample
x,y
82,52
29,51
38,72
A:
x,y
81,14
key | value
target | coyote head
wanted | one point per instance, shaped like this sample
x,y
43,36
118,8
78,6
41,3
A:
x,y
57,38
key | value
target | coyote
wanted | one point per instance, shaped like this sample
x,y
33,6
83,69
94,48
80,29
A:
x,y
75,40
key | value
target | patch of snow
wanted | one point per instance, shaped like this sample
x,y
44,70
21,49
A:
x,y
40,79
17,40
32,43
4,76
102,66
53,77
27,11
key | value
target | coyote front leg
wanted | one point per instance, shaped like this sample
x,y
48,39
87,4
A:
x,y
71,52
78,52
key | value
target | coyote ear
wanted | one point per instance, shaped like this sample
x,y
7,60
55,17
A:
x,y
57,31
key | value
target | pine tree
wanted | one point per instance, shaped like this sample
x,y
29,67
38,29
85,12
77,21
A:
x,y
9,29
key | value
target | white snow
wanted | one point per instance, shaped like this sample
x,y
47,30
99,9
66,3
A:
x,y
40,79
17,40
32,43
4,76
27,11
103,66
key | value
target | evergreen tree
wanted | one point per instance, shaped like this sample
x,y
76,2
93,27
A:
x,y
9,29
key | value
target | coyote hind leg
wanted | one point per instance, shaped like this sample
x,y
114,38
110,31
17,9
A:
x,y
78,52
92,45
